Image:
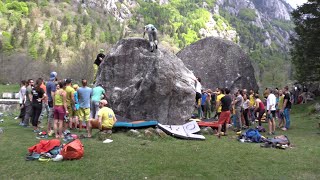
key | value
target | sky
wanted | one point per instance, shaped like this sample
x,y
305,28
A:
x,y
294,3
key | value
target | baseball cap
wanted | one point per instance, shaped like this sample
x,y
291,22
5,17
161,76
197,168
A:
x,y
68,80
53,75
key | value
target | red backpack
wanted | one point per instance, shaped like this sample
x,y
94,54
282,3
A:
x,y
73,150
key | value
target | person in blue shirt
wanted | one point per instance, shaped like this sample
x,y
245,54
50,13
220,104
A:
x,y
84,95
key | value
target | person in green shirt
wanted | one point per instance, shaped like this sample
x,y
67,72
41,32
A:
x,y
98,93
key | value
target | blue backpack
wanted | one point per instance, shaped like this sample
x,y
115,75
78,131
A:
x,y
253,135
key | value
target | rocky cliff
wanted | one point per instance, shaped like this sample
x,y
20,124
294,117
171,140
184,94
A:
x,y
145,85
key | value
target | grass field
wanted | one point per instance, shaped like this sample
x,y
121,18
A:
x,y
9,88
135,158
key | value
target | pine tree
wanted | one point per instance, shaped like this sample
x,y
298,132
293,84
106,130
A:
x,y
85,20
93,32
14,38
71,40
54,53
58,58
41,48
306,45
65,21
49,55
78,30
20,26
25,40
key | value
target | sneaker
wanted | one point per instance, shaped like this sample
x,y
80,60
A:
x,y
50,133
36,131
16,117
284,129
273,133
108,141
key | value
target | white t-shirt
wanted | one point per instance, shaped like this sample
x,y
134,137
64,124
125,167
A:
x,y
198,87
22,93
246,104
271,101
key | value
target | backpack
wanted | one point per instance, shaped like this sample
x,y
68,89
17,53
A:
x,y
251,135
281,142
261,129
73,150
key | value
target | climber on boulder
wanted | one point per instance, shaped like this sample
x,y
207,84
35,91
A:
x,y
152,34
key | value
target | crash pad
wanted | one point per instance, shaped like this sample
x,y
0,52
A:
x,y
135,124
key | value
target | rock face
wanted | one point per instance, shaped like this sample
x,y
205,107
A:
x,y
145,85
219,63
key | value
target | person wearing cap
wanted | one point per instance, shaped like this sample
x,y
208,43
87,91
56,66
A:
x,y
98,93
105,121
50,89
70,101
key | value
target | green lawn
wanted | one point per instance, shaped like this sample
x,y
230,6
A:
x,y
9,88
135,158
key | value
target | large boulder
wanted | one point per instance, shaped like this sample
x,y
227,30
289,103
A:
x,y
147,85
219,63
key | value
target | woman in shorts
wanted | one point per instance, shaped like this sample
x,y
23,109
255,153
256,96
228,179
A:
x,y
60,109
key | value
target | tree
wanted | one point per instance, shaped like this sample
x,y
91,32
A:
x,y
49,55
14,38
71,40
25,40
41,48
58,58
306,44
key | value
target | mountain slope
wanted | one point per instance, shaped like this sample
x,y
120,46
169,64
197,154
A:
x,y
261,28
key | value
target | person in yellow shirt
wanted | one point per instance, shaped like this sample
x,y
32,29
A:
x,y
220,94
70,103
252,106
105,121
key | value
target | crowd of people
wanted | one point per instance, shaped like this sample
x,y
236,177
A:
x,y
69,106
66,105
242,109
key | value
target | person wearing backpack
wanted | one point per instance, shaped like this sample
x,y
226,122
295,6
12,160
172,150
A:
x,y
286,108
